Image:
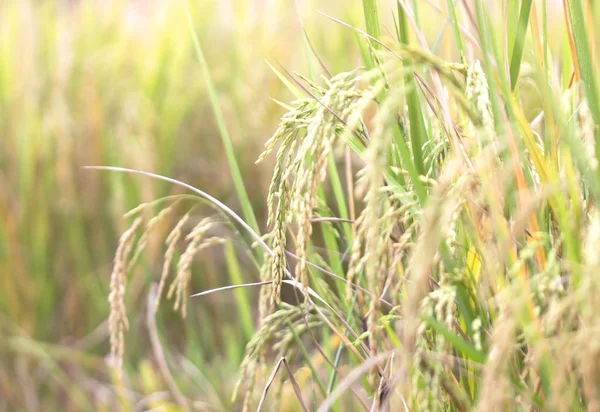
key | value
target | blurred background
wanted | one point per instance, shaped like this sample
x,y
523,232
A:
x,y
118,83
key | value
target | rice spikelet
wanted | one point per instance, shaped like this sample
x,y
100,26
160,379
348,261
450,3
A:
x,y
197,242
117,321
171,242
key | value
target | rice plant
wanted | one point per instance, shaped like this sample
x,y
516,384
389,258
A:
x,y
431,227
454,268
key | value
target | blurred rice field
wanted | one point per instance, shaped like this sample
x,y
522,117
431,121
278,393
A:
x,y
118,83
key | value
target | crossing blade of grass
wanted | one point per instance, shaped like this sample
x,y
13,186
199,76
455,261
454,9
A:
x,y
361,32
244,307
465,347
338,355
417,129
330,239
455,29
316,55
519,44
537,36
307,47
545,33
372,21
407,160
353,377
234,169
307,358
338,191
486,48
297,390
289,85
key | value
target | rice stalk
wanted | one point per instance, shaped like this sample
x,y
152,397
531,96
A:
x,y
196,243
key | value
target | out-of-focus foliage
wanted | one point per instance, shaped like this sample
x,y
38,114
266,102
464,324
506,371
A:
x,y
119,83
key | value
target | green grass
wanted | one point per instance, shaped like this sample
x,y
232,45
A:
x,y
432,231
